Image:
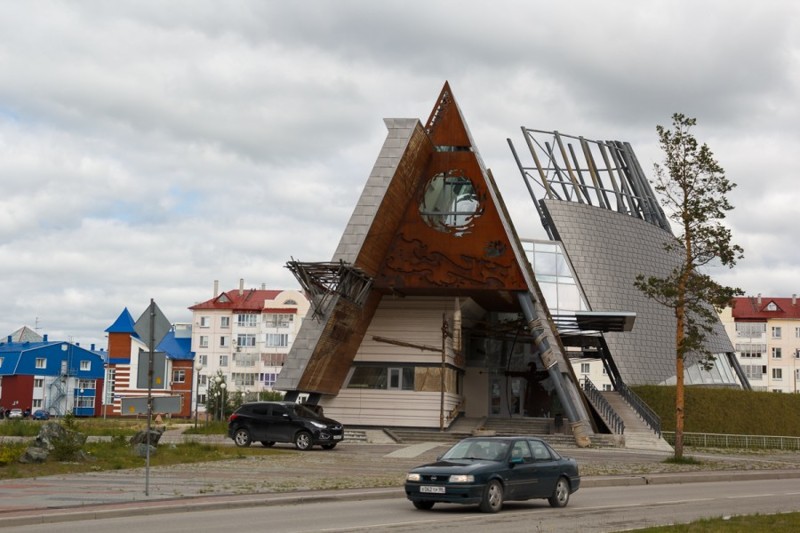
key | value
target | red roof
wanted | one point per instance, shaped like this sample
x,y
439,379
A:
x,y
248,300
749,308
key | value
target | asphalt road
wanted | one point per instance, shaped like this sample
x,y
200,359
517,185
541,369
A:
x,y
598,509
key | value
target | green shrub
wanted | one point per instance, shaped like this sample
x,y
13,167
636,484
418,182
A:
x,y
724,410
10,452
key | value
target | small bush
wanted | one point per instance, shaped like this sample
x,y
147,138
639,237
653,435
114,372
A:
x,y
10,452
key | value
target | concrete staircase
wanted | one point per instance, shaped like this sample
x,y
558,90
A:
x,y
638,435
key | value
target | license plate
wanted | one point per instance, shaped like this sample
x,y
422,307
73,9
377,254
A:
x,y
431,489
337,437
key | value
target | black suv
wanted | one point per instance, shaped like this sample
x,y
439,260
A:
x,y
271,422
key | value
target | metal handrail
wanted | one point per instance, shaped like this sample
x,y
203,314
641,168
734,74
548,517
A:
x,y
598,401
642,409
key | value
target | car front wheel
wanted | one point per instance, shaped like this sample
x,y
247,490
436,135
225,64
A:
x,y
492,497
242,437
302,441
560,497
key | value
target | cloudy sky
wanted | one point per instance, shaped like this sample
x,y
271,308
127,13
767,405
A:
x,y
148,148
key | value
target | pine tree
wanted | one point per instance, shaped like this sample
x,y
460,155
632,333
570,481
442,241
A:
x,y
693,187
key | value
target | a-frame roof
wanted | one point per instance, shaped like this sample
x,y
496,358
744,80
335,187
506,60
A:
x,y
430,221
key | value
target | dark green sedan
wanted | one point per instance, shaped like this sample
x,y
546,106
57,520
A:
x,y
490,470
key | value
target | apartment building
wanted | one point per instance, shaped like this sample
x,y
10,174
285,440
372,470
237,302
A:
x,y
243,337
766,334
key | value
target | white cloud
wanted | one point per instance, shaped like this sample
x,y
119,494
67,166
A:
x,y
149,148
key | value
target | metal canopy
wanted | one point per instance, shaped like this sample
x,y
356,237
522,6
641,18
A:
x,y
598,321
322,280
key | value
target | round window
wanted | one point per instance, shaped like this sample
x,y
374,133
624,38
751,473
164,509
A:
x,y
450,204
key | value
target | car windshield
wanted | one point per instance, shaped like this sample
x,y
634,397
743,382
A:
x,y
477,449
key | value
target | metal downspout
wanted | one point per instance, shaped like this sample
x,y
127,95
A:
x,y
581,428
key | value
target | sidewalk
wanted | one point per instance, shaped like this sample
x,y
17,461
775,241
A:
x,y
350,471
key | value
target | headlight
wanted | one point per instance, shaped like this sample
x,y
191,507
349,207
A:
x,y
318,424
413,477
462,478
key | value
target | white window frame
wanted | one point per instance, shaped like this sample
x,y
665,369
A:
x,y
205,322
224,341
41,362
178,375
586,368
224,322
776,332
777,353
203,342
777,374
86,366
246,339
247,320
223,360
277,340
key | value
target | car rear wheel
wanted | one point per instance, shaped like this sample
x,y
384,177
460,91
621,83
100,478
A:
x,y
242,437
330,446
268,443
423,506
302,441
560,497
492,497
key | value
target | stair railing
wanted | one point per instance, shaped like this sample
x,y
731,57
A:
x,y
607,413
642,409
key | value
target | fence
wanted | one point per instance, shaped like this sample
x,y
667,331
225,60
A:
x,y
722,440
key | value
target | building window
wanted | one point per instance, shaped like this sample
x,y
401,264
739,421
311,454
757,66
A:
x,y
201,399
247,320
224,342
225,322
279,320
203,341
86,366
268,378
38,383
273,359
243,380
41,362
754,372
777,373
277,340
382,378
203,359
777,353
37,404
246,339
223,360
584,368
776,332
179,375
203,380
84,402
205,321
797,353
751,350
750,329
85,384
607,387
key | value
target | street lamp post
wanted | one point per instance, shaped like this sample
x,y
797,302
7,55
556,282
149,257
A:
x,y
222,402
197,368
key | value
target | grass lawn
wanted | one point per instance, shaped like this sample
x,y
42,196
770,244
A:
x,y
117,454
778,523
